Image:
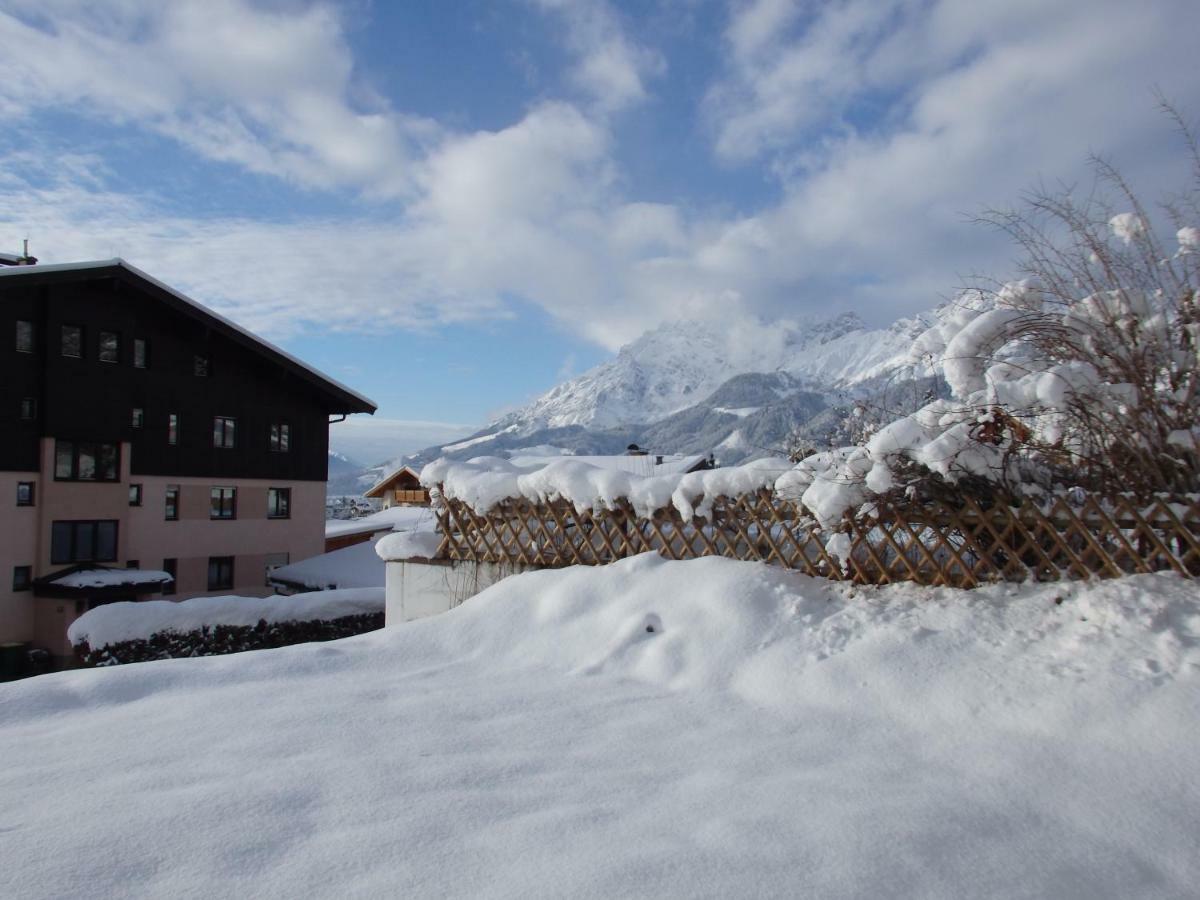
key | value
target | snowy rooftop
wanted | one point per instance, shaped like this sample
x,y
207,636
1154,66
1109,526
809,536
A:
x,y
401,518
102,577
351,567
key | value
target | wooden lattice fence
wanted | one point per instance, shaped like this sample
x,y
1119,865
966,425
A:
x,y
931,543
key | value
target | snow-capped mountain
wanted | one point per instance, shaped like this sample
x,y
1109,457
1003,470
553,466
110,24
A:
x,y
680,364
736,391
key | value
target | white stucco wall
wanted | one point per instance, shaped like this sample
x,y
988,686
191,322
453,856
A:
x,y
419,588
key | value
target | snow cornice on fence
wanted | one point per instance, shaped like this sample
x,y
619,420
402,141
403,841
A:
x,y
485,482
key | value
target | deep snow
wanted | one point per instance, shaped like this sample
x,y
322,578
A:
x,y
693,729
130,620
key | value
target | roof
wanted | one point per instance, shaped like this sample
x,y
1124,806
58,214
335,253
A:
x,y
676,464
358,566
378,489
345,399
88,579
402,517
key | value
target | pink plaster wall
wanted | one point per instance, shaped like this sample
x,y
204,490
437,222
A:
x,y
18,547
145,535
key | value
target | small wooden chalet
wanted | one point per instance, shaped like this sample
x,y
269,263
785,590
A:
x,y
401,488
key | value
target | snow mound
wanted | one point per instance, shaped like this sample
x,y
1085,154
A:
x,y
128,621
650,728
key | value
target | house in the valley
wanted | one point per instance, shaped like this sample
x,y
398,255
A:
x,y
400,488
149,446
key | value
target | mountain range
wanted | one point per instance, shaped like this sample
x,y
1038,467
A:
x,y
736,391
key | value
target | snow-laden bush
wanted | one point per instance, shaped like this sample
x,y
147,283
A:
x,y
1084,373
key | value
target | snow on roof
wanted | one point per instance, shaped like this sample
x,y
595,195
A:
x,y
400,518
356,566
117,262
102,577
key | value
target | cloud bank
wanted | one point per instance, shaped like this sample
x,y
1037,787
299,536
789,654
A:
x,y
880,125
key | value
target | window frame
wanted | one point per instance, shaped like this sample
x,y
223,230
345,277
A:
x,y
136,494
63,340
137,417
224,432
171,503
279,437
219,502
32,335
75,447
76,525
22,579
31,499
28,409
141,351
170,565
110,355
273,508
224,564
201,366
172,429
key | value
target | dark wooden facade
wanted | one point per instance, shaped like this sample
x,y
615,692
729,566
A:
x,y
94,400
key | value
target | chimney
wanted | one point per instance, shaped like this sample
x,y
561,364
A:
x,y
11,259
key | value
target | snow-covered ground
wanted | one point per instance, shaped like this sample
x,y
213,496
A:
x,y
684,729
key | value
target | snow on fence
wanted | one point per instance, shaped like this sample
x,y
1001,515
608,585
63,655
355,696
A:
x,y
932,543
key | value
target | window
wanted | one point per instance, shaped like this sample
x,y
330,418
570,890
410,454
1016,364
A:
x,y
141,353
25,493
72,341
172,503
83,541
279,503
132,563
281,437
22,578
224,431
274,561
24,336
220,573
224,503
170,566
138,417
200,366
85,461
135,495
110,347
28,408
172,428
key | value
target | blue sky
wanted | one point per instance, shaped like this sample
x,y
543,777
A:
x,y
451,206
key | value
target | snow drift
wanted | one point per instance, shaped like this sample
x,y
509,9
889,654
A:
x,y
131,621
650,728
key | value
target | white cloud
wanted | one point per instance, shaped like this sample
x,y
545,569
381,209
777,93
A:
x,y
977,103
609,67
267,90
